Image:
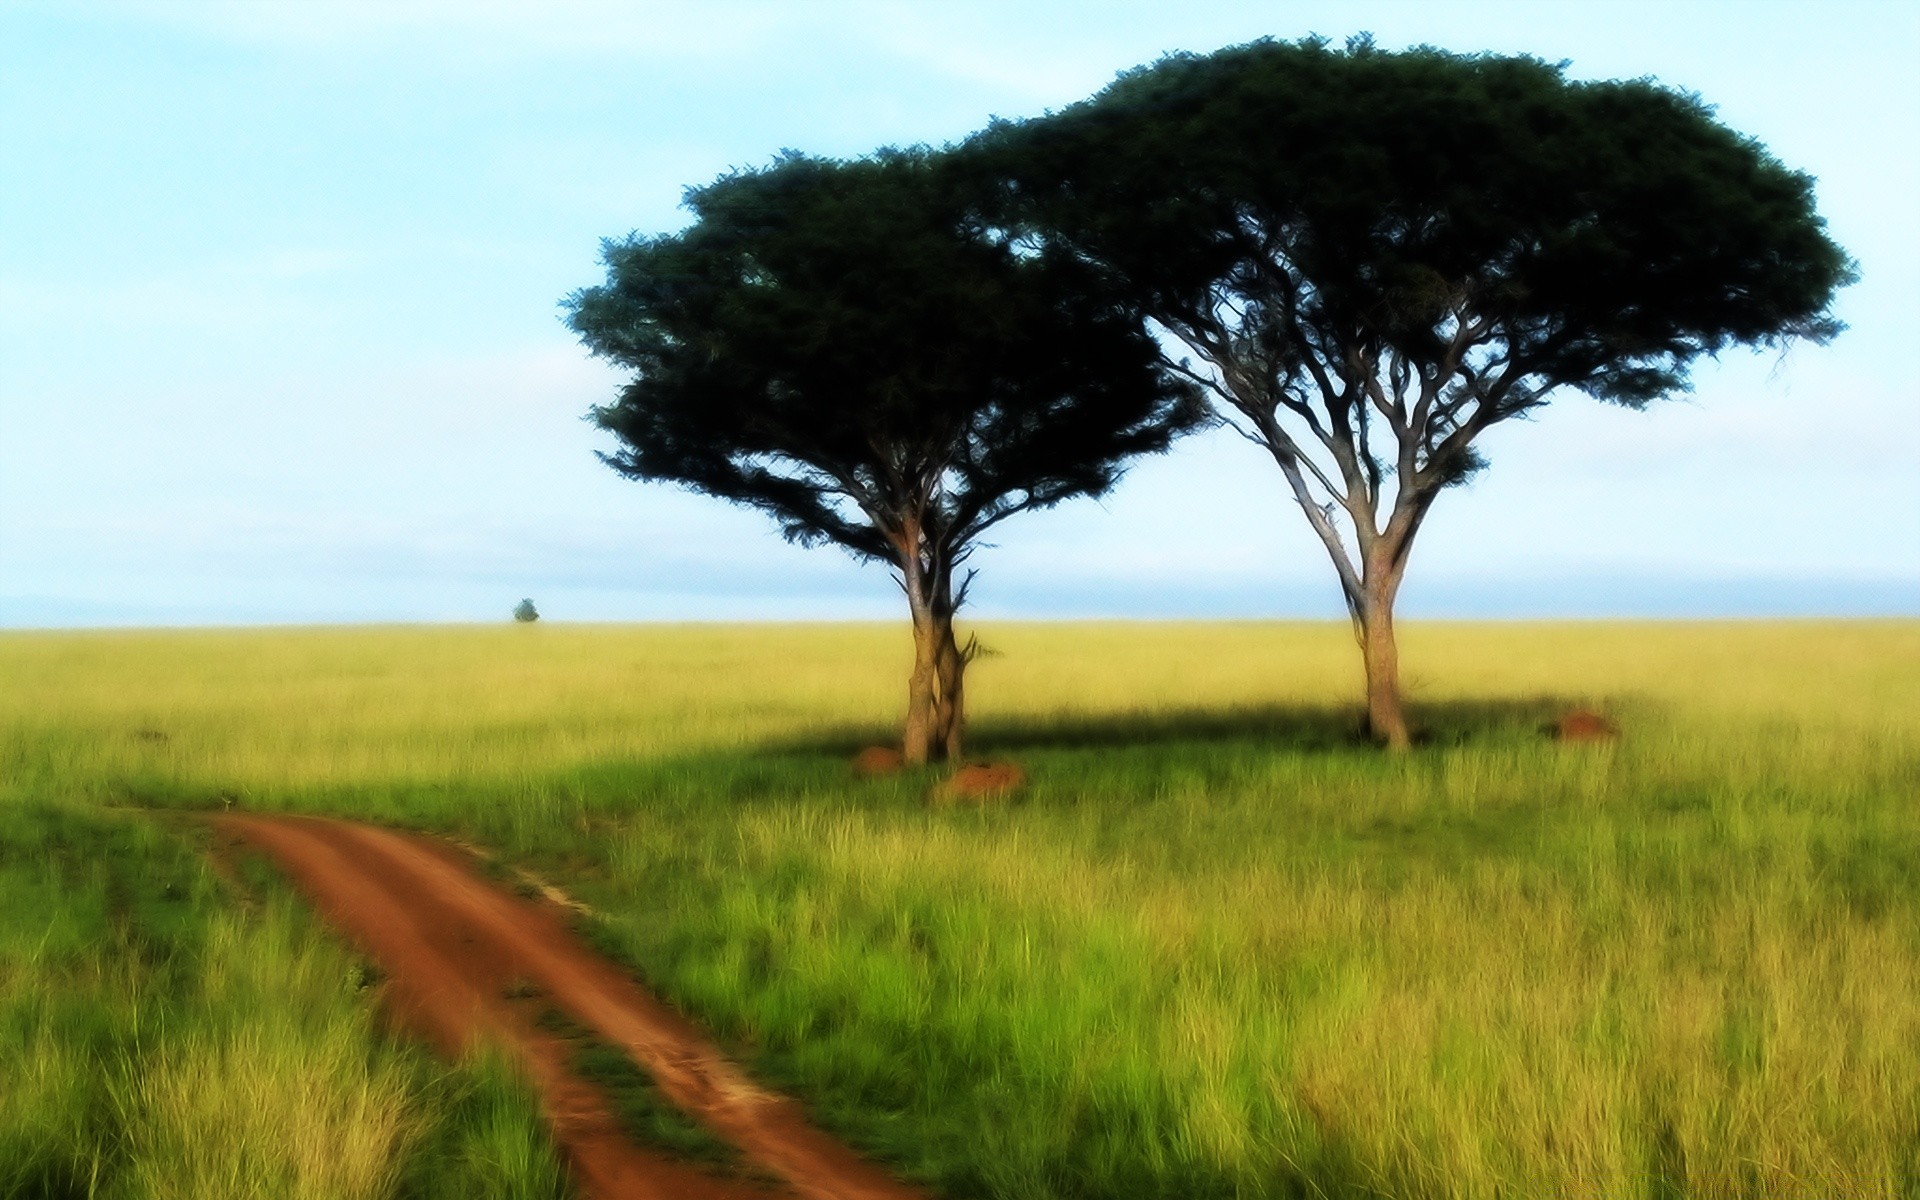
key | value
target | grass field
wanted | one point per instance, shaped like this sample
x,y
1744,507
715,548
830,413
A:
x,y
1218,948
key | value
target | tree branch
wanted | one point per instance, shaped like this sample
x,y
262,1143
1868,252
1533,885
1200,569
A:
x,y
1288,457
1278,441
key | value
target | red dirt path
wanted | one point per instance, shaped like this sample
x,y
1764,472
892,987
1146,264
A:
x,y
456,950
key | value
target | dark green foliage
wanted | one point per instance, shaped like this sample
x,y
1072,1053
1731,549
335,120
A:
x,y
841,345
525,613
1603,234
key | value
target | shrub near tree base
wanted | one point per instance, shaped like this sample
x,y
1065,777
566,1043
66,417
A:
x,y
1585,725
979,783
878,760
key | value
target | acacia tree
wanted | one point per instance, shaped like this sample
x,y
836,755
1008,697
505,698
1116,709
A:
x,y
1377,256
844,346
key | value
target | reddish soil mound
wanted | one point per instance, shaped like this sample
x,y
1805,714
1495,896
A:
x,y
980,782
464,960
878,760
1585,725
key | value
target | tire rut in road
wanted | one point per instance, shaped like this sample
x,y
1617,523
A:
x,y
462,960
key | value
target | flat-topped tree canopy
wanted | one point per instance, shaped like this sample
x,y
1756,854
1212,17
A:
x,y
1378,255
848,347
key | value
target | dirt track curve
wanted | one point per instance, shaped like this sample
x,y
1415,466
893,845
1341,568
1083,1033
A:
x,y
456,952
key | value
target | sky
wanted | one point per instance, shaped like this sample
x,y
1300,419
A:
x,y
281,337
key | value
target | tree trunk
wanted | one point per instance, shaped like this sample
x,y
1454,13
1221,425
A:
x,y
917,745
1386,716
936,711
936,693
950,710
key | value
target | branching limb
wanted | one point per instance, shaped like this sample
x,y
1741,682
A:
x,y
1280,443
1209,382
1288,456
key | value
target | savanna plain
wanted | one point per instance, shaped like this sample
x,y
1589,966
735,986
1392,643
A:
x,y
1219,946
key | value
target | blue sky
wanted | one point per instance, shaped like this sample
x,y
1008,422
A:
x,y
279,336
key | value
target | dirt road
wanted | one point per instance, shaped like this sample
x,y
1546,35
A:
x,y
465,960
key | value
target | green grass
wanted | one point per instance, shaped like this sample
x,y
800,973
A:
x,y
1218,948
163,1036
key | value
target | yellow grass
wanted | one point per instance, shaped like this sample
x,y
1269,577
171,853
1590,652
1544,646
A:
x,y
299,707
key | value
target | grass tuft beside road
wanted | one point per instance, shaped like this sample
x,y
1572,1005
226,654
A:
x,y
163,1040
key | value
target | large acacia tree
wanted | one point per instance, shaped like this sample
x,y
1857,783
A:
x,y
845,346
1374,257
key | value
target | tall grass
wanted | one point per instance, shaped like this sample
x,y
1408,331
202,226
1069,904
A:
x,y
159,1041
1219,948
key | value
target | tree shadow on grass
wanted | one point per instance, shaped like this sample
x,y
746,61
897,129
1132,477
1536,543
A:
x,y
817,762
1301,728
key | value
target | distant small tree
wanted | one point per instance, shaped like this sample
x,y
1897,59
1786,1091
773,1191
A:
x,y
525,613
844,346
1378,256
